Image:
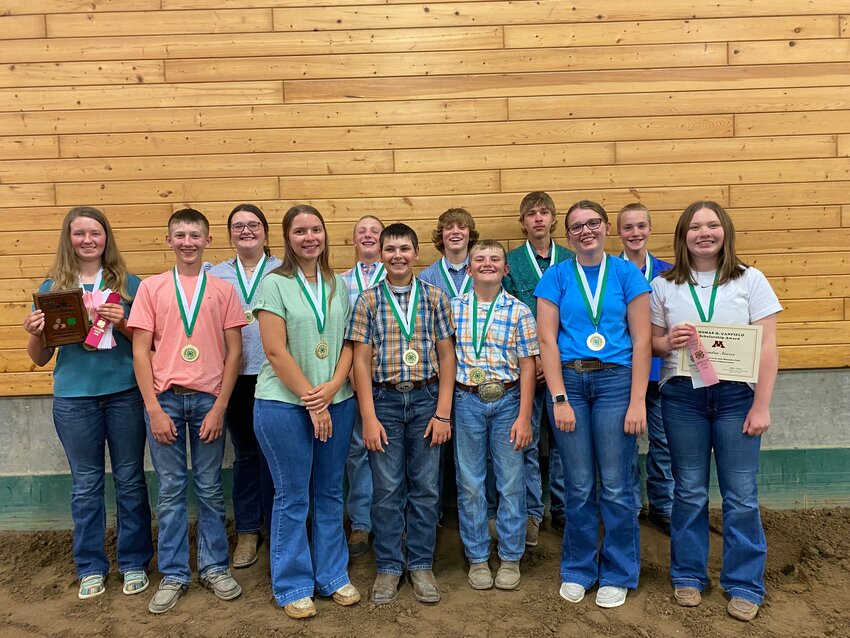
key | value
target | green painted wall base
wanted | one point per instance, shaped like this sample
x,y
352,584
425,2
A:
x,y
788,479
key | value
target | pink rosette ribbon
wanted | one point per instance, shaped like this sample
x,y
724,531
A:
x,y
699,355
100,336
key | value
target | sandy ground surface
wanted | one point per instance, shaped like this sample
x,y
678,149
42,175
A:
x,y
808,582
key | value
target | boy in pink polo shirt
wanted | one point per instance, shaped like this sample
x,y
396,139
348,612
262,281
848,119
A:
x,y
187,342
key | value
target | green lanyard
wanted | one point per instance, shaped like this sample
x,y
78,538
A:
x,y
478,344
711,301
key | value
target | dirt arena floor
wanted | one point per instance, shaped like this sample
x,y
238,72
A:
x,y
808,584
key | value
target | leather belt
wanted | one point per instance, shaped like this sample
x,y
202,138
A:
x,y
475,388
406,386
588,365
182,389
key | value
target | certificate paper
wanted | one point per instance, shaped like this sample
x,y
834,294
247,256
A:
x,y
733,350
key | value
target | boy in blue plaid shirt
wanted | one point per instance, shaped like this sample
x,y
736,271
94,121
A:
x,y
404,369
496,342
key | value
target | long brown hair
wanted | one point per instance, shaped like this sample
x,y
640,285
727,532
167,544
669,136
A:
x,y
728,265
290,264
65,272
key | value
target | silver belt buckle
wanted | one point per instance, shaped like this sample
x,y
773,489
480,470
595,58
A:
x,y
491,391
577,365
404,386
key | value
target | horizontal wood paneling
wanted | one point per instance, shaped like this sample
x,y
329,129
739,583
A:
x,y
404,109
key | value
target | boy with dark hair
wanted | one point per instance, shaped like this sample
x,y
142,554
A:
x,y
186,357
404,369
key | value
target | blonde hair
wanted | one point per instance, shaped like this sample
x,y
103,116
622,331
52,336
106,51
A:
x,y
65,272
633,207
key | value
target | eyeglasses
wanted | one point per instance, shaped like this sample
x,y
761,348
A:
x,y
240,226
592,224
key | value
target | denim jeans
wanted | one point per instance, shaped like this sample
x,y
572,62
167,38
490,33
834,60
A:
x,y
405,480
86,426
304,469
698,421
482,428
359,501
187,411
599,445
253,490
531,467
659,473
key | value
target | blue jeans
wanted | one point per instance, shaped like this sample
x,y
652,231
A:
x,y
253,490
482,428
659,473
304,469
187,411
359,501
86,426
698,421
405,480
531,467
598,445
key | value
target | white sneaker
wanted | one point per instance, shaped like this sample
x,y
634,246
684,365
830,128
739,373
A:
x,y
610,596
572,592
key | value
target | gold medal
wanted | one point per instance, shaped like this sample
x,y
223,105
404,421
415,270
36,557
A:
x,y
322,350
249,316
477,376
596,342
190,353
410,357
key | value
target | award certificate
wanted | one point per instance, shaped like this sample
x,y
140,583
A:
x,y
65,317
734,352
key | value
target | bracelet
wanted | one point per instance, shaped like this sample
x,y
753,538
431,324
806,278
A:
x,y
441,419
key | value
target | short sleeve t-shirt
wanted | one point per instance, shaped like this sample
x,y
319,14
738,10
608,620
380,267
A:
x,y
561,286
741,301
82,373
156,311
283,297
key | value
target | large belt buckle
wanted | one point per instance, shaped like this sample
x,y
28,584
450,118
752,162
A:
x,y
491,391
404,386
578,365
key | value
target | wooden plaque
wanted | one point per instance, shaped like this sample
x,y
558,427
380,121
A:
x,y
65,317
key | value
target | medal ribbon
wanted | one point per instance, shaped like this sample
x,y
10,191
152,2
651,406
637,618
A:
x,y
98,281
478,344
406,323
318,302
648,271
375,278
703,317
465,284
553,249
189,312
251,287
593,304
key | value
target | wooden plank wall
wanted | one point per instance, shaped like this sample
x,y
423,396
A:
x,y
404,109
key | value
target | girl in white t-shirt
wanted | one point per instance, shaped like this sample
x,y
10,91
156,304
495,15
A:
x,y
710,284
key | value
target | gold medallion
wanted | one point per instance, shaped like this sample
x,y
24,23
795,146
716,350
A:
x,y
249,316
596,342
322,350
477,376
190,353
410,357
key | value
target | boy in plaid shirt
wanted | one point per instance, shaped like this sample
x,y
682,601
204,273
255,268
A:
x,y
496,342
404,369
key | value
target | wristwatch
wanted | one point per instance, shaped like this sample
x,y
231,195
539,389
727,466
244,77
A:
x,y
559,398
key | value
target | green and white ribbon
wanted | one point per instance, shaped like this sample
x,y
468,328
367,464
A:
x,y
98,280
553,249
189,311
478,343
705,317
648,271
465,284
247,285
318,300
406,321
593,303
374,279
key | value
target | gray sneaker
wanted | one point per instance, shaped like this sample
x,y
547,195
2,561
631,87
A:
x,y
166,596
223,585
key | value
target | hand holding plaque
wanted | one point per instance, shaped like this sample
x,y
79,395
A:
x,y
65,317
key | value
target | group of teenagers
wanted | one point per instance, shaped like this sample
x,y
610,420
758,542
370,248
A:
x,y
381,374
